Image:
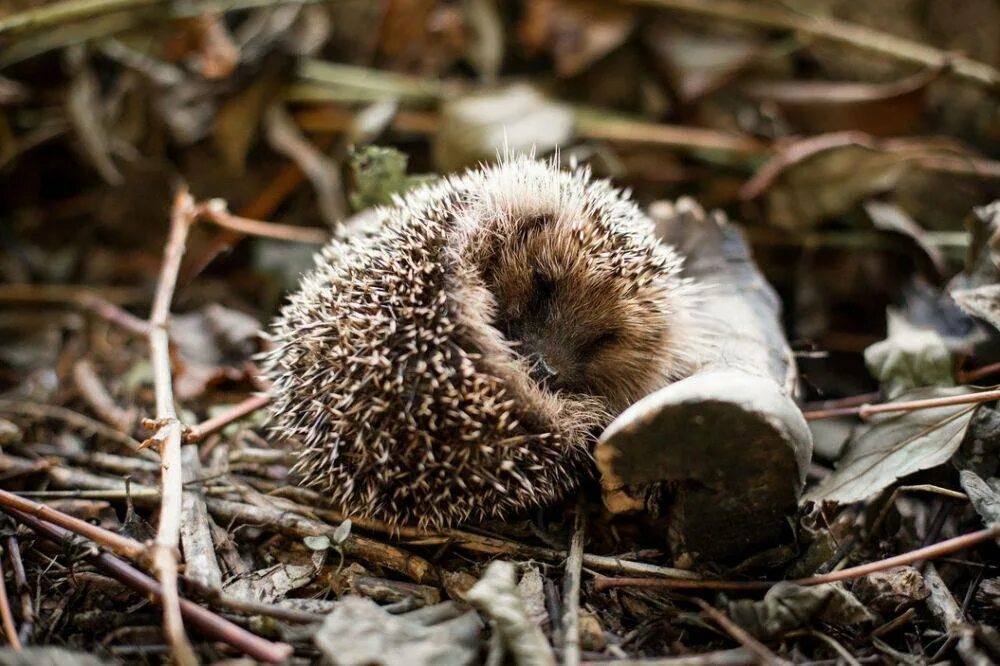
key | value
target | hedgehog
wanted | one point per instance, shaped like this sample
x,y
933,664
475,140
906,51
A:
x,y
454,361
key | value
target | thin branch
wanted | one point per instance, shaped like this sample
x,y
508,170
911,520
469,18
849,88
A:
x,y
369,550
738,633
925,553
206,621
116,543
216,211
865,411
235,413
92,390
6,616
21,587
571,590
165,546
75,419
833,30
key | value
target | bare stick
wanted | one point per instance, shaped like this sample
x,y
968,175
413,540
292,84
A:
x,y
926,553
235,413
77,420
217,212
113,314
165,546
6,616
864,411
93,392
571,591
21,587
369,550
738,633
975,374
121,545
203,619
833,30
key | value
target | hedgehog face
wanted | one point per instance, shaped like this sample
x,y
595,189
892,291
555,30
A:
x,y
579,325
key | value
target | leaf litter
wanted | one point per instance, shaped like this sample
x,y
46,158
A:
x,y
858,167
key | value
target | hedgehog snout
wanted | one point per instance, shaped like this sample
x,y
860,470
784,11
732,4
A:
x,y
540,370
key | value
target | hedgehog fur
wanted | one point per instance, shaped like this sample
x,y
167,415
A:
x,y
455,362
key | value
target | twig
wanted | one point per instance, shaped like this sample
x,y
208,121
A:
x,y
895,623
926,553
235,413
571,591
369,550
833,30
865,411
75,419
877,523
607,127
735,657
21,587
6,616
215,211
975,374
165,553
66,294
93,392
113,314
738,633
203,619
196,533
479,543
116,543
840,403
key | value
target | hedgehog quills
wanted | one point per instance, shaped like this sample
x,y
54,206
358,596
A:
x,y
456,362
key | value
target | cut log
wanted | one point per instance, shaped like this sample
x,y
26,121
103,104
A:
x,y
722,454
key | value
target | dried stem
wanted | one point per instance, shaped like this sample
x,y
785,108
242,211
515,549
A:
x,y
571,591
92,390
116,543
77,420
738,633
368,550
215,211
864,411
235,413
925,553
6,616
833,30
206,621
21,587
165,546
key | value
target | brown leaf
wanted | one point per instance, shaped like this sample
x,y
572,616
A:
x,y
880,109
576,33
892,590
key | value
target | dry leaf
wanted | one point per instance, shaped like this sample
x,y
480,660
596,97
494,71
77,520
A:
x,y
880,109
479,127
910,357
788,606
892,446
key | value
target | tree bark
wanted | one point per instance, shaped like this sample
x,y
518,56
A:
x,y
722,454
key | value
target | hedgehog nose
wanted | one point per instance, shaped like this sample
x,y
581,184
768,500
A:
x,y
540,370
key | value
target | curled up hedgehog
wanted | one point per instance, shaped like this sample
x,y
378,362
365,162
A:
x,y
456,362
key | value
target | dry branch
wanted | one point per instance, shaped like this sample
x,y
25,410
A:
x,y
203,619
833,30
165,546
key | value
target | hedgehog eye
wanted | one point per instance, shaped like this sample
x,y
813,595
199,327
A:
x,y
543,286
600,343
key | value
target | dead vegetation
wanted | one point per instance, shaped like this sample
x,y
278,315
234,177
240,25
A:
x,y
167,170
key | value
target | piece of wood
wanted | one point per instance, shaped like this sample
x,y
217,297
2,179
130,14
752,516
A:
x,y
723,453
